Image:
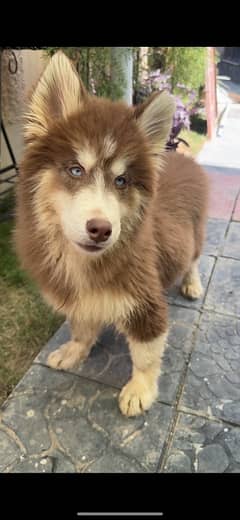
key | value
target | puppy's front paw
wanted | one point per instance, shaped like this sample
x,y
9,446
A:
x,y
137,396
67,356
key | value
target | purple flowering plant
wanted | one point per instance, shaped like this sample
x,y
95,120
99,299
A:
x,y
157,81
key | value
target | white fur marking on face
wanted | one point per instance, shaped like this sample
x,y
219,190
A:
x,y
93,201
109,146
87,158
99,181
119,166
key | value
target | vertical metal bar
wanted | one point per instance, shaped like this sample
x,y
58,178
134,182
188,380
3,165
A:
x,y
8,146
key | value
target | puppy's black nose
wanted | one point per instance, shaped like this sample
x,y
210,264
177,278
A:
x,y
99,230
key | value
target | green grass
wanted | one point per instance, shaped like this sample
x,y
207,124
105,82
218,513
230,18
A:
x,y
26,321
195,141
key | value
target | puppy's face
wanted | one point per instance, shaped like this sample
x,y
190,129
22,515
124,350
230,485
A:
x,y
91,161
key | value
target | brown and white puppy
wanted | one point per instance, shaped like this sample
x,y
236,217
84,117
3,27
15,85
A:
x,y
106,220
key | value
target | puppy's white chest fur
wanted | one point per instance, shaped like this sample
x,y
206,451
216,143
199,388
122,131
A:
x,y
106,307
99,307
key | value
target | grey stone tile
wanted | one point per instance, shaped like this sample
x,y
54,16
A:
x,y
62,464
24,412
122,464
34,465
232,242
9,451
61,336
89,427
110,363
118,364
212,385
113,341
80,419
27,421
49,384
203,446
205,267
182,316
216,229
56,463
177,349
224,291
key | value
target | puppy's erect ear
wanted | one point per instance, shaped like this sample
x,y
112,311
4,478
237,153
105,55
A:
x,y
155,117
59,92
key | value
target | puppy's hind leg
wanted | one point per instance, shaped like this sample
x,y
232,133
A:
x,y
191,285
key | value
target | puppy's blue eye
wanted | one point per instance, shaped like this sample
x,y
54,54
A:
x,y
120,181
76,171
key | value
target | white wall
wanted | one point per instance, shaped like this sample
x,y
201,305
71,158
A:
x,y
15,90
